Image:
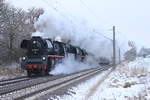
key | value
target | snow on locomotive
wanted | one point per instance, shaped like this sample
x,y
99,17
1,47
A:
x,y
43,54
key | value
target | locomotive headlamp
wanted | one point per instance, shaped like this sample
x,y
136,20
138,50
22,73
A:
x,y
34,42
23,58
43,58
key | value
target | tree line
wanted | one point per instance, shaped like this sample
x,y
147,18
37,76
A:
x,y
15,25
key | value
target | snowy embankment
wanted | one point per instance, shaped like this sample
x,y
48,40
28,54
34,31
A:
x,y
11,71
129,81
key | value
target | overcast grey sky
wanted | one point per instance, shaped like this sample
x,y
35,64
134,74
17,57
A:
x,y
131,17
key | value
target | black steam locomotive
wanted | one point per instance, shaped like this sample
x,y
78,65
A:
x,y
43,54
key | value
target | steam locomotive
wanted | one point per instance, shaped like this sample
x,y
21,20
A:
x,y
43,54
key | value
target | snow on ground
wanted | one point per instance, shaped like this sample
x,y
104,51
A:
x,y
81,89
11,71
129,81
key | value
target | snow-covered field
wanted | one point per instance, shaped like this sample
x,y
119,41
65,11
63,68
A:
x,y
129,81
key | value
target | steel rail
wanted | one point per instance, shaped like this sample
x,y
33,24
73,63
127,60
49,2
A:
x,y
24,87
56,86
7,82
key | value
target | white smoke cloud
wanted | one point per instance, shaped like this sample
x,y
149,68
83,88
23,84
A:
x,y
59,24
70,65
53,24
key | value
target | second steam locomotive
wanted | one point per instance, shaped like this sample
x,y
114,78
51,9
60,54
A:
x,y
43,54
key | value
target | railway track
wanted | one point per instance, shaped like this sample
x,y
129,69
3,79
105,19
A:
x,y
13,80
39,86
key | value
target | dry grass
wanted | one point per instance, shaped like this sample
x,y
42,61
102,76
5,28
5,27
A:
x,y
11,70
137,72
134,71
128,84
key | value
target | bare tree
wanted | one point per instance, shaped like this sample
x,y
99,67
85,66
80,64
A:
x,y
144,52
15,25
131,54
